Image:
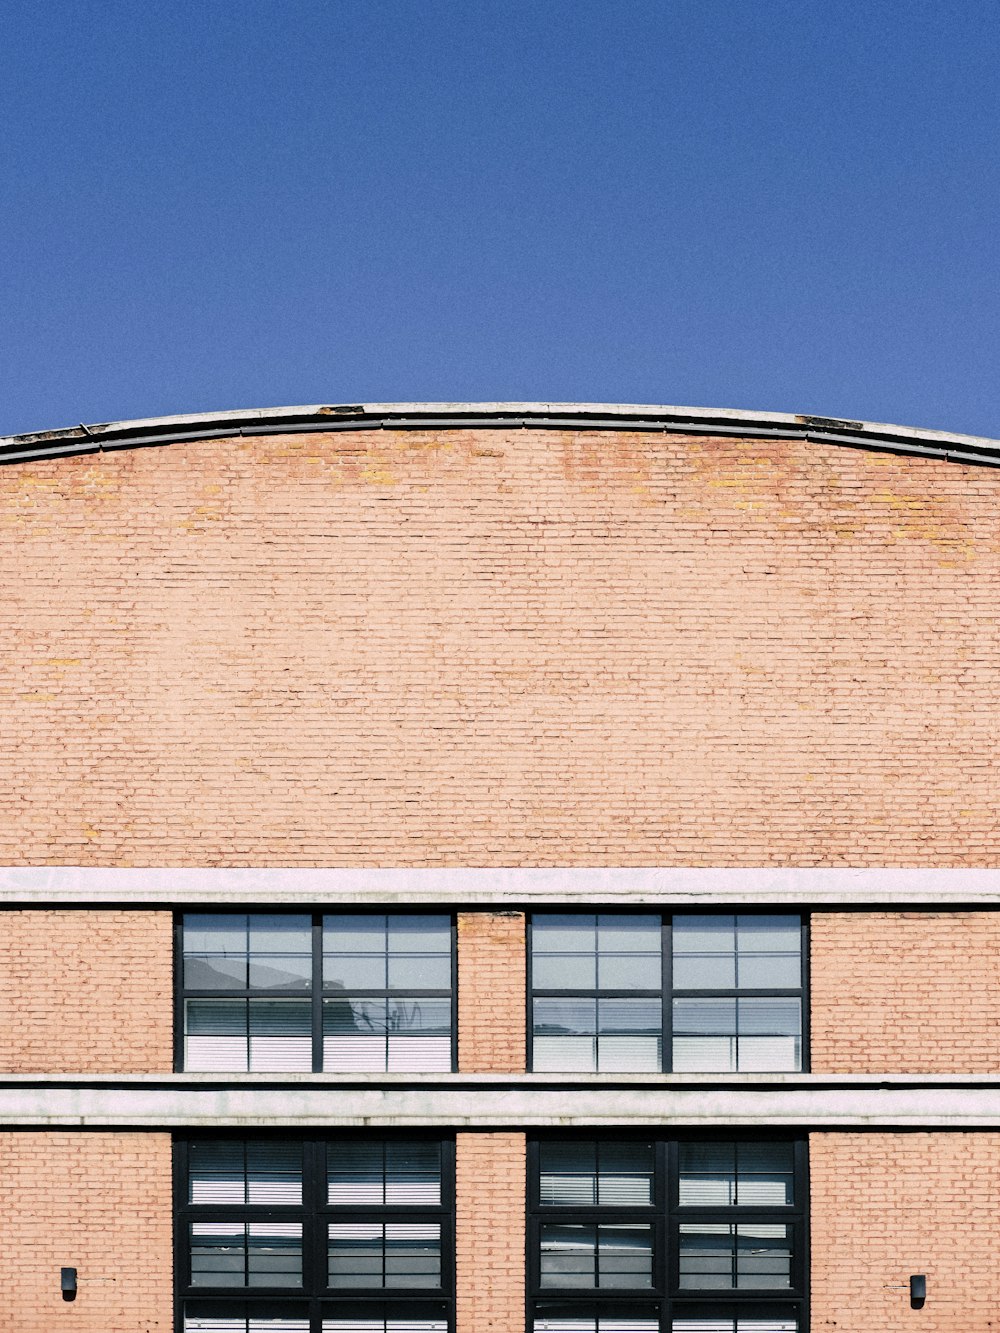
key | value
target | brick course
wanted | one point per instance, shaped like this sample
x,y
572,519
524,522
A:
x,y
499,647
888,1205
905,992
489,1232
86,991
100,1203
491,992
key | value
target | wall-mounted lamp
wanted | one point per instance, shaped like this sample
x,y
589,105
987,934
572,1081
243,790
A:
x,y
918,1291
67,1281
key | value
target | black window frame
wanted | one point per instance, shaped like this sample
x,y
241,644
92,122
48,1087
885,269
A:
x,y
316,1299
667,993
315,993
665,1300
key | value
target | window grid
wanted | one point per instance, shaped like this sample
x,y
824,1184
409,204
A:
x,y
565,1052
770,1172
226,1023
216,1291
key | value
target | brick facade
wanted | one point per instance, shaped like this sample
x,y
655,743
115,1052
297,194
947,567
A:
x,y
489,1225
491,992
905,992
884,1206
86,992
97,1202
499,647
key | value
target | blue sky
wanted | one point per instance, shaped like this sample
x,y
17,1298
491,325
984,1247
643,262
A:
x,y
767,204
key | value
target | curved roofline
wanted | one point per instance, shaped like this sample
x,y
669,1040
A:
x,y
111,435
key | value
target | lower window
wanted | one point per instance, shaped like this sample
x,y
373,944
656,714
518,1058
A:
x,y
656,1235
340,1234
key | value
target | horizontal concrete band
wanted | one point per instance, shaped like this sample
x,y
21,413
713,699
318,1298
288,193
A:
x,y
792,886
465,1102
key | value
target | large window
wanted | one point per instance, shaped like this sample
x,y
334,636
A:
x,y
687,1235
312,991
691,992
343,1234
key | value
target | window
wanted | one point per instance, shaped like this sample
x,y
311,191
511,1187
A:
x,y
312,991
687,1235
334,1235
691,992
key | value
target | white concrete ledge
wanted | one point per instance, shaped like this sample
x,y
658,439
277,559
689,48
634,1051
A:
x,y
465,1102
514,887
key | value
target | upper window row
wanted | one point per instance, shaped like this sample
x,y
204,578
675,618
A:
x,y
608,992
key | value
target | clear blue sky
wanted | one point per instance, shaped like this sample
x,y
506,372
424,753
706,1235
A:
x,y
774,204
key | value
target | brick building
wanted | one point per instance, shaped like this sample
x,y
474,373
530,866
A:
x,y
476,868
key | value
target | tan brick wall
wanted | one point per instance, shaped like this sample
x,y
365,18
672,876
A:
x,y
888,1205
499,648
86,992
100,1203
905,992
489,1232
491,992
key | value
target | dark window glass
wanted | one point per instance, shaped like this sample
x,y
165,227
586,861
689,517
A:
x,y
360,1230
697,1233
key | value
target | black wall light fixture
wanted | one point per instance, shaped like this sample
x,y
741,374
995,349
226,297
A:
x,y
918,1291
67,1281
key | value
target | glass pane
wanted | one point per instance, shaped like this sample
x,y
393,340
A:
x,y
763,1257
280,972
280,1035
769,934
280,934
770,1017
215,972
559,932
568,1256
356,971
618,1017
413,1254
419,972
630,971
624,1055
765,1174
708,1017
354,933
218,1254
356,1257
700,933
704,971
420,934
626,1175
212,932
274,1172
625,1256
412,1015
274,1255
628,934
769,1055
564,1017
568,1174
215,1035
564,1055
704,1055
216,1172
707,1174
416,1054
564,971
413,1174
769,971
707,1253
355,1173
